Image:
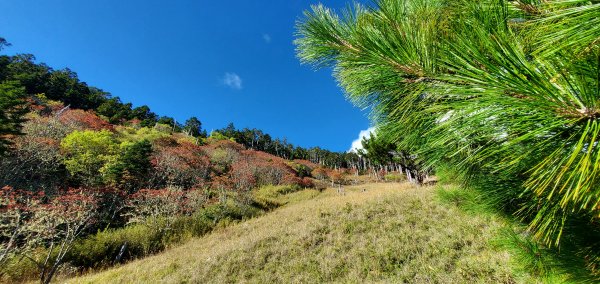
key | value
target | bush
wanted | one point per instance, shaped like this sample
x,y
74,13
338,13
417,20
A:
x,y
129,171
82,120
394,177
301,170
42,229
111,246
34,164
88,152
269,197
156,208
143,133
319,173
182,165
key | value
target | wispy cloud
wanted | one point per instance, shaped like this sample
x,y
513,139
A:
x,y
357,144
267,38
233,81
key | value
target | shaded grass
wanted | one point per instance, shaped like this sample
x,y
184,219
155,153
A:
x,y
374,233
552,265
273,196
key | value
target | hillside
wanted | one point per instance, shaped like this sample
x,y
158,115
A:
x,y
389,233
479,160
88,182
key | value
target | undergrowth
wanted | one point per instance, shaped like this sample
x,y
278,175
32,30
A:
x,y
113,246
385,232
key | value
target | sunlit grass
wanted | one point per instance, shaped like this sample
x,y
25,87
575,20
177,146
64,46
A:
x,y
385,232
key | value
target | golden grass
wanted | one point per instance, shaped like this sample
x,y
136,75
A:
x,y
389,233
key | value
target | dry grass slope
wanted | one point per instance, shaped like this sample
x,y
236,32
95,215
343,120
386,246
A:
x,y
390,233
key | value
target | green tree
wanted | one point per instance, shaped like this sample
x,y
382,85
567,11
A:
x,y
131,168
377,150
12,109
169,121
64,85
193,127
144,114
88,153
114,110
506,92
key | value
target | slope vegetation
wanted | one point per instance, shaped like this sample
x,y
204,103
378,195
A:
x,y
386,232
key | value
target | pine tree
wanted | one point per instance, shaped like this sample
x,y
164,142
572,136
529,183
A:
x,y
193,127
506,92
12,109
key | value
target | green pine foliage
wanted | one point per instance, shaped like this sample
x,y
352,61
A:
x,y
131,168
12,109
504,92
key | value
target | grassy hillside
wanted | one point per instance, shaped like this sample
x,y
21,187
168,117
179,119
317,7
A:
x,y
386,232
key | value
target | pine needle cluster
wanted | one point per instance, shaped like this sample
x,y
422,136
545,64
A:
x,y
505,92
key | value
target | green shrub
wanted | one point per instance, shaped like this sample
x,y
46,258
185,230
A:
x,y
131,134
87,154
300,169
394,177
229,209
270,196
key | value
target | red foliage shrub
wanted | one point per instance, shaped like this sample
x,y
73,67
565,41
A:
x,y
111,201
221,182
195,199
83,120
54,224
35,105
292,180
307,182
336,176
222,153
185,165
73,206
319,173
255,168
12,200
165,142
135,123
243,175
224,144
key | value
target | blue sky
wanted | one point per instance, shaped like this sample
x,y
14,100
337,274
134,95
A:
x,y
222,61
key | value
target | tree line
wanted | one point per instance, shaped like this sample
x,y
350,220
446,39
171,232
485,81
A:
x,y
23,80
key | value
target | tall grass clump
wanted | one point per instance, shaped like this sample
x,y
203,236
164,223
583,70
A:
x,y
504,92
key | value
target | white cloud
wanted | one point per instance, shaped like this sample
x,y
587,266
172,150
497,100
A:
x,y
233,81
267,38
357,144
